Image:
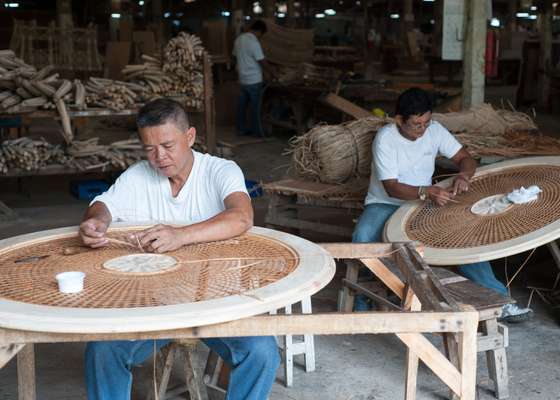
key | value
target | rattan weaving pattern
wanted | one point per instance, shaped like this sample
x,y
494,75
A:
x,y
455,226
220,273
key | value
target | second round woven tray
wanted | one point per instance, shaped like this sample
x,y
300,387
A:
x,y
457,233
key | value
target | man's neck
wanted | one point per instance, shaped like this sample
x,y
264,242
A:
x,y
178,181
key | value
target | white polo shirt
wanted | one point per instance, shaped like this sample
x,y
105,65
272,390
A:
x,y
248,52
409,162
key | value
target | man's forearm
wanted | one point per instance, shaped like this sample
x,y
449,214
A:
x,y
467,167
401,191
227,224
99,211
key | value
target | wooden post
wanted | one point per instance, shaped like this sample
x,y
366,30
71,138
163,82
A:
x,y
408,25
238,21
114,22
269,8
290,17
26,373
64,13
209,119
474,51
545,54
157,21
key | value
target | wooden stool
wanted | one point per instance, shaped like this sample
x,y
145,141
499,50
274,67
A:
x,y
290,348
492,337
183,349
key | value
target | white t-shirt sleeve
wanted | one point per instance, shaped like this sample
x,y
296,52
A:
x,y
385,158
448,146
257,51
229,179
120,192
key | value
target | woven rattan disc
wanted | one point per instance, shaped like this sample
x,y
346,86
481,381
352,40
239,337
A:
x,y
253,273
141,263
482,225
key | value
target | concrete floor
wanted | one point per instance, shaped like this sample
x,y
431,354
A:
x,y
361,367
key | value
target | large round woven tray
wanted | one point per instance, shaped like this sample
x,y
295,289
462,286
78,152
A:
x,y
454,234
208,283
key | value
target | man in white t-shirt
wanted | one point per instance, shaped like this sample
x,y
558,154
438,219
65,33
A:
x,y
207,197
250,63
403,163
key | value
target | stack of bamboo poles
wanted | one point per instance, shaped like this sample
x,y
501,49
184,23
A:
x,y
115,95
26,154
178,71
89,154
29,155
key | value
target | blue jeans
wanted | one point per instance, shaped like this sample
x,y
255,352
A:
x,y
250,95
254,361
370,229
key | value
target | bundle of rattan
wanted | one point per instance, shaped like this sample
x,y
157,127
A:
x,y
484,119
179,71
510,145
89,154
29,155
335,153
111,94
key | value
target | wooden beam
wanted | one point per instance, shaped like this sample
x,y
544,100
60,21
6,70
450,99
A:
x,y
436,361
7,352
385,275
358,250
474,53
319,324
346,106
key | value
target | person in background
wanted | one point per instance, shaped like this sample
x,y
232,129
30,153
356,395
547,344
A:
x,y
250,63
403,163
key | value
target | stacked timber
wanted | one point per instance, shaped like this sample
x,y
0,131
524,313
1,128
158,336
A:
x,y
26,154
178,71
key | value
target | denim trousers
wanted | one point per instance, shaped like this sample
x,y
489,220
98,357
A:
x,y
250,95
370,229
254,361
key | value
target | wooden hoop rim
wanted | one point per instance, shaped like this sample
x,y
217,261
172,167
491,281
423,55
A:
x,y
395,231
315,270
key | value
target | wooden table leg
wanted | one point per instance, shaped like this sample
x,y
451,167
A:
x,y
26,373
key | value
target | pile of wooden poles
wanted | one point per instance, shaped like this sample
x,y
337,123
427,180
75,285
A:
x,y
24,89
177,71
26,154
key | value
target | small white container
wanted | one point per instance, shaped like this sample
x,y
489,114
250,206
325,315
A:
x,y
70,282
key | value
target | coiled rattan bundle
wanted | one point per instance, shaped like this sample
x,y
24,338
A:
x,y
336,153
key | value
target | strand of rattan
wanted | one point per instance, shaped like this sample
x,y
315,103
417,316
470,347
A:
x,y
520,268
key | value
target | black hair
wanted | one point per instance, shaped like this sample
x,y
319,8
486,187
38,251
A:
x,y
413,101
259,26
160,111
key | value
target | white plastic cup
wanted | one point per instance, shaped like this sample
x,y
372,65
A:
x,y
70,282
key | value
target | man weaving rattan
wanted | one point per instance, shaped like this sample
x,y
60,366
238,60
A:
x,y
207,198
403,163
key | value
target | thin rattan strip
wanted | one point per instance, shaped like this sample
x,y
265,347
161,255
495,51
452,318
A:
x,y
29,280
455,226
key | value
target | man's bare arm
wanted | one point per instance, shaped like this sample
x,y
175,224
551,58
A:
x,y
236,219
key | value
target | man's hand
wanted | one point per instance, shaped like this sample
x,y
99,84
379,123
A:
x,y
161,238
439,195
460,184
92,231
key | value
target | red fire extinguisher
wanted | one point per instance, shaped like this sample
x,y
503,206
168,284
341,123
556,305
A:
x,y
492,52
